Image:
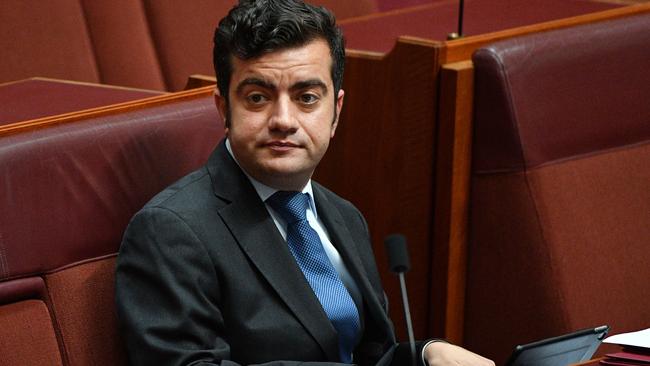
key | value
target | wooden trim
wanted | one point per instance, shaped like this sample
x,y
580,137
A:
x,y
419,41
96,85
363,55
451,214
75,82
621,2
199,81
105,110
381,159
462,49
401,41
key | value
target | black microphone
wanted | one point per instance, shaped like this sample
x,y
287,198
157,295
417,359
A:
x,y
398,261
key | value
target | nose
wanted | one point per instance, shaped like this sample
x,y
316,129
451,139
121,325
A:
x,y
282,117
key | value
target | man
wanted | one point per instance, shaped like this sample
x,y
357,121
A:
x,y
246,260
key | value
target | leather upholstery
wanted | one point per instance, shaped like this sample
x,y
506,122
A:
x,y
22,289
59,182
560,203
67,192
559,95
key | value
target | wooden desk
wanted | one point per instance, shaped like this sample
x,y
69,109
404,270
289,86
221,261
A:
x,y
41,97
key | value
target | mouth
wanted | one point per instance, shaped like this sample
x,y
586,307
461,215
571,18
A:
x,y
281,145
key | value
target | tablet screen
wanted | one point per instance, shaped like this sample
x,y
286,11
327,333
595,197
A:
x,y
559,351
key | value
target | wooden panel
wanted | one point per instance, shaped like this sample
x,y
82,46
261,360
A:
x,y
198,81
452,199
381,159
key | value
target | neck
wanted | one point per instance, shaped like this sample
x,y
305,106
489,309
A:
x,y
285,183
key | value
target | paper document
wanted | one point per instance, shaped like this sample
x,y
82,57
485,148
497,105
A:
x,y
635,339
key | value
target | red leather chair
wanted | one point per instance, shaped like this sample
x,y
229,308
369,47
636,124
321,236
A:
x,y
67,193
560,197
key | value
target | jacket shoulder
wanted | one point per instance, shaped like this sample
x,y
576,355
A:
x,y
188,190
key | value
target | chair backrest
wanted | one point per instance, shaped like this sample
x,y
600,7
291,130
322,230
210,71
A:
x,y
45,39
560,197
145,44
183,32
67,193
122,44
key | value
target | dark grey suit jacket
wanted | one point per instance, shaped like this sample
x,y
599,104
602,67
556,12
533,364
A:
x,y
205,278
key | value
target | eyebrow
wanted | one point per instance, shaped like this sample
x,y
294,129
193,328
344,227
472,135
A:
x,y
254,81
304,84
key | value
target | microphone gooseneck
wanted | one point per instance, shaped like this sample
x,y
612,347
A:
x,y
398,261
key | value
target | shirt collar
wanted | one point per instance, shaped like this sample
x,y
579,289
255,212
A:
x,y
265,191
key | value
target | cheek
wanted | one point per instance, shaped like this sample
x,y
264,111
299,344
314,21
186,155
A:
x,y
322,137
246,124
321,124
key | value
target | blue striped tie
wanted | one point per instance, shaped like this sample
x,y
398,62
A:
x,y
306,247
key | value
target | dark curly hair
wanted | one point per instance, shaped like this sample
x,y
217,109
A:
x,y
257,27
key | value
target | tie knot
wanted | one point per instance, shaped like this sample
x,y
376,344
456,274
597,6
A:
x,y
291,205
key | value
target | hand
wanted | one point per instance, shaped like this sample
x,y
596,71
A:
x,y
446,354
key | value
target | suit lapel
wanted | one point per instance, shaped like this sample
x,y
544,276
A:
x,y
254,230
342,240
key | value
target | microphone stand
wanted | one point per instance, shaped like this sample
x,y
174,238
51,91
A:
x,y
399,263
459,34
407,315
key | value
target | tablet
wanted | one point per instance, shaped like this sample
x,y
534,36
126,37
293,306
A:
x,y
559,351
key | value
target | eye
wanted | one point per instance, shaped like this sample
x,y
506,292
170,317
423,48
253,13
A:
x,y
308,98
256,98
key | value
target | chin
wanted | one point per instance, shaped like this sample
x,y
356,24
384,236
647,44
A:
x,y
288,179
286,174
288,166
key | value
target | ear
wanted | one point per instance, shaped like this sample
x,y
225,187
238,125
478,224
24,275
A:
x,y
338,106
222,107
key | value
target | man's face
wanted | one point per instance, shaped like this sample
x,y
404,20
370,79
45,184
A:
x,y
283,113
